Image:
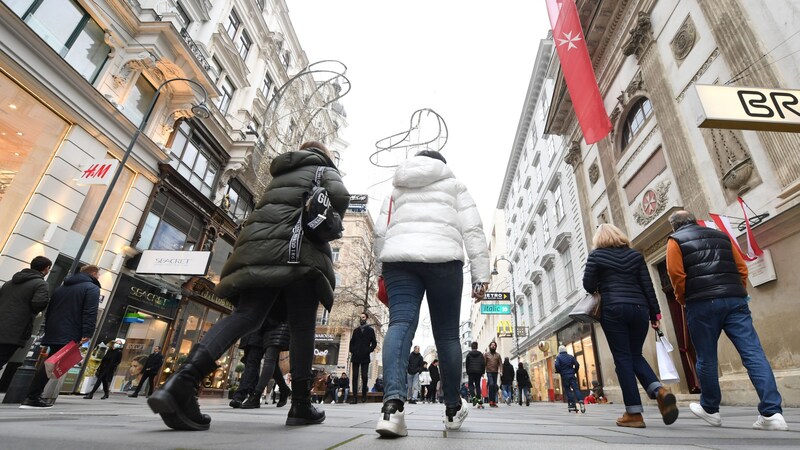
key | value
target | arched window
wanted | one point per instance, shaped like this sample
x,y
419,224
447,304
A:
x,y
636,118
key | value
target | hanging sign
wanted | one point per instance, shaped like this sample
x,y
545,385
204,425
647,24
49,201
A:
x,y
173,262
747,108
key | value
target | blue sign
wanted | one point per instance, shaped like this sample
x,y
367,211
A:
x,y
495,309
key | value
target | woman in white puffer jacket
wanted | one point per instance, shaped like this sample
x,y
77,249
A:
x,y
421,235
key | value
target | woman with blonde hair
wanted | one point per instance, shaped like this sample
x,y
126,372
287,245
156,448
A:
x,y
629,302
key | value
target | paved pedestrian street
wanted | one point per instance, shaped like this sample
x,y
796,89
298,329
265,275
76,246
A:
x,y
125,423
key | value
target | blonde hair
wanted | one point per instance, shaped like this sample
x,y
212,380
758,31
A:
x,y
608,235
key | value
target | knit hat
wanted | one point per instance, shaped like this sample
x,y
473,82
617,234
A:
x,y
562,349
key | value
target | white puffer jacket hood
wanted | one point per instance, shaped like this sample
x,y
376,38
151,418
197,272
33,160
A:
x,y
433,219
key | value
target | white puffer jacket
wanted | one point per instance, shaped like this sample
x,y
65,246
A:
x,y
433,218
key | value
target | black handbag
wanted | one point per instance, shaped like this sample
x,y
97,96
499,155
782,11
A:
x,y
587,310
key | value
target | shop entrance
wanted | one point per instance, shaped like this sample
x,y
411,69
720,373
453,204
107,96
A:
x,y
142,331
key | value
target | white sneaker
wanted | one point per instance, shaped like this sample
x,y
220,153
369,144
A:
x,y
392,422
775,422
713,419
454,422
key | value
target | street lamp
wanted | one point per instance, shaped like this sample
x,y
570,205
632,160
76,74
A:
x,y
200,110
513,297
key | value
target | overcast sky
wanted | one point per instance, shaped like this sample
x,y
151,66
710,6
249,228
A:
x,y
468,60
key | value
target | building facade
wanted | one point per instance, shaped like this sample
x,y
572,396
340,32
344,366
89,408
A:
x,y
648,56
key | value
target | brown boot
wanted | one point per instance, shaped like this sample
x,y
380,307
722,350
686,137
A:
x,y
631,421
667,406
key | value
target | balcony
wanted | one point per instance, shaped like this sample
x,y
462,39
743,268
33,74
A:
x,y
198,54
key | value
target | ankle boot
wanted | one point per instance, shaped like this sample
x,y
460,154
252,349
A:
x,y
284,397
302,411
631,421
176,402
88,396
666,405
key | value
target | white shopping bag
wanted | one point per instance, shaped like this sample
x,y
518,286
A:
x,y
666,368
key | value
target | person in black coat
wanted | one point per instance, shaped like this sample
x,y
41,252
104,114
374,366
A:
x,y
523,385
105,371
435,378
71,317
344,384
507,381
475,365
275,340
151,367
21,299
629,308
415,361
362,344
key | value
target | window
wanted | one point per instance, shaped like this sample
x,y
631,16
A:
x,y
287,59
138,100
170,226
551,149
569,273
215,69
551,278
224,100
191,159
335,254
69,30
260,4
637,116
222,251
545,227
558,203
233,24
540,301
240,201
184,18
266,85
324,318
243,44
539,178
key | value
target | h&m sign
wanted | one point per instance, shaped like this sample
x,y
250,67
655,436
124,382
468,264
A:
x,y
748,108
97,171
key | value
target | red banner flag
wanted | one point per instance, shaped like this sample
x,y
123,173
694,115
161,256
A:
x,y
578,71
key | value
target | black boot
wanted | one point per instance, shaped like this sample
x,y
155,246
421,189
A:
x,y
176,402
88,396
284,396
252,402
302,411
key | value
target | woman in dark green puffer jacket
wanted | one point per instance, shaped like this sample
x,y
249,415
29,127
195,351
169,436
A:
x,y
258,274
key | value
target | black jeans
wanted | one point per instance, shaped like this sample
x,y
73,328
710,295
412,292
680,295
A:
x,y
106,381
151,378
271,370
6,352
249,315
252,367
40,377
362,367
474,384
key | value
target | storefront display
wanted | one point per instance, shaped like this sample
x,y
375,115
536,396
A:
x,y
578,339
326,351
545,387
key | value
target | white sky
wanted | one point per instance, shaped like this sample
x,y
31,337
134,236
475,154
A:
x,y
468,60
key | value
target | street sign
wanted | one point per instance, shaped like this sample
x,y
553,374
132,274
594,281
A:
x,y
748,108
495,309
497,296
522,331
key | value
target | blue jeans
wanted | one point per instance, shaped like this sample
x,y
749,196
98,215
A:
x,y
706,321
626,327
571,390
406,284
345,392
491,382
412,381
507,394
524,393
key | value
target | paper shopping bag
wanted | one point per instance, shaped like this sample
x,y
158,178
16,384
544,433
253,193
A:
x,y
61,361
666,368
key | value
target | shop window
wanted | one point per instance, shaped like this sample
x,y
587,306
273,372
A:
x,y
637,116
138,100
170,226
191,158
239,201
222,251
142,331
68,29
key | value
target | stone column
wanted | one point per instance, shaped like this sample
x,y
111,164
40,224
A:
x,y
575,160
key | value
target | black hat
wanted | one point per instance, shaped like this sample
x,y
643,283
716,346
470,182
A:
x,y
432,154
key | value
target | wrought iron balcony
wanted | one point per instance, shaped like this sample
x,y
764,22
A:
x,y
195,50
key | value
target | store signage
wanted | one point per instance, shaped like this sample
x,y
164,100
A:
x,y
495,309
318,352
97,171
522,331
761,270
504,329
747,108
325,337
358,199
163,262
497,296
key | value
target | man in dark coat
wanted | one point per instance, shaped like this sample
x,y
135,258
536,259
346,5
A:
x,y
523,385
21,299
435,378
70,317
260,272
362,343
567,366
475,365
105,371
151,367
415,361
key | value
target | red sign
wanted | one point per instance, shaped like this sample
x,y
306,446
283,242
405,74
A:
x,y
99,171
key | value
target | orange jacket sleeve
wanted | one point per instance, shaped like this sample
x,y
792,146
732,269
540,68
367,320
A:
x,y
742,266
675,270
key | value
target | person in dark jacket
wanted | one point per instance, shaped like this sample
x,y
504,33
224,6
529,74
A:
x,y
151,367
344,385
414,369
523,385
378,386
628,302
71,316
21,299
260,272
105,371
507,381
362,344
276,340
435,378
475,365
710,279
253,346
567,366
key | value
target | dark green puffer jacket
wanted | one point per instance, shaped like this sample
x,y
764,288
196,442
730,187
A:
x,y
261,253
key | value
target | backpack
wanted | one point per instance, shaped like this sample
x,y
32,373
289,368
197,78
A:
x,y
318,220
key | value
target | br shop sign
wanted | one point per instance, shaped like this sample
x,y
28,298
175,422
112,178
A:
x,y
748,108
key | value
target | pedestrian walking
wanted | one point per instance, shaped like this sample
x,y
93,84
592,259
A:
x,y
415,363
523,385
475,365
151,368
507,381
108,366
494,364
710,279
422,232
629,302
273,260
362,344
567,366
434,373
71,316
21,299
252,344
276,340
